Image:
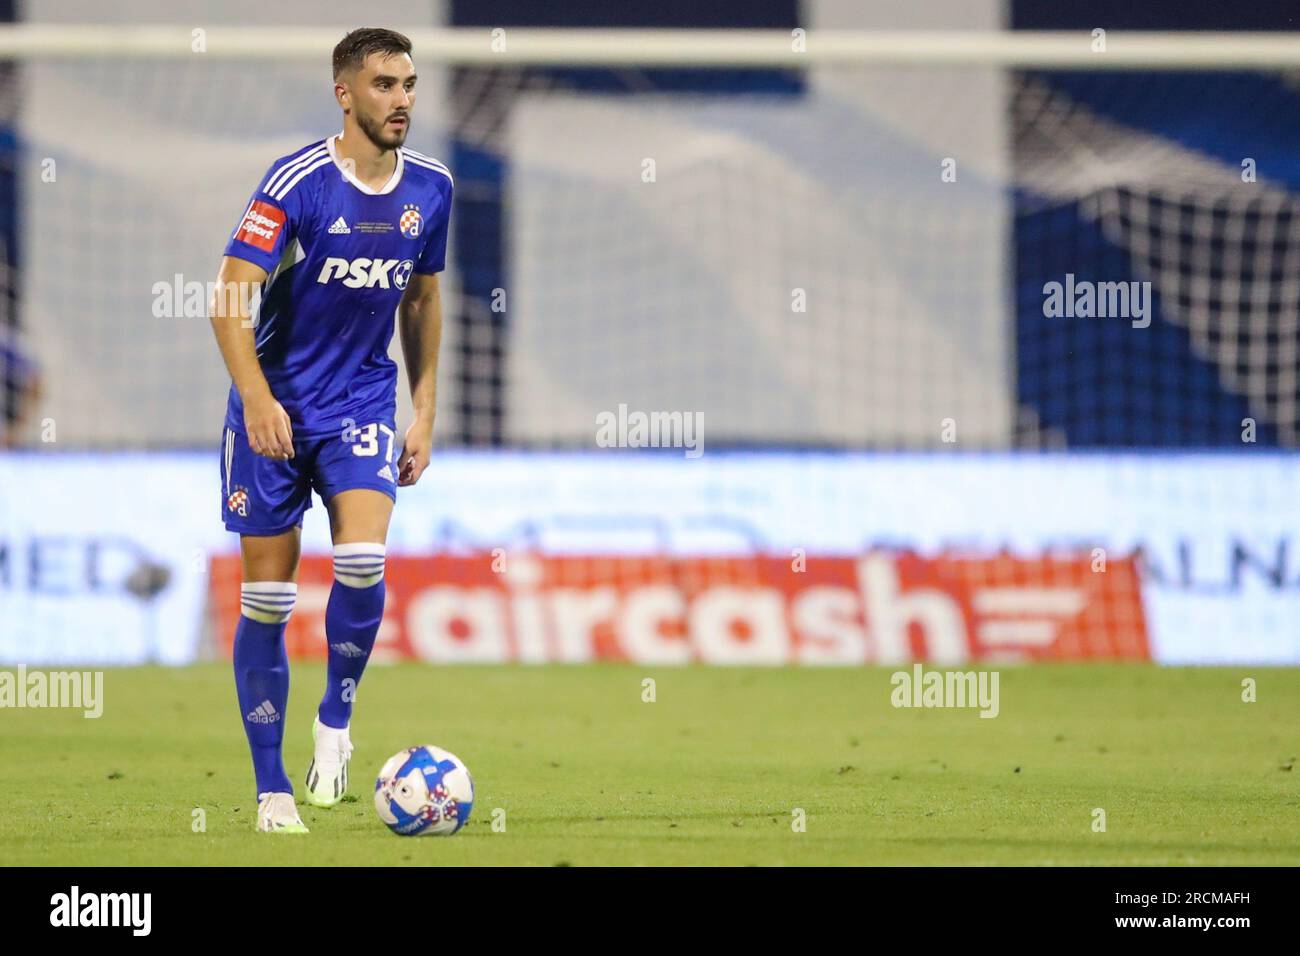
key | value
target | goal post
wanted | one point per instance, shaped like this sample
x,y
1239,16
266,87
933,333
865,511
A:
x,y
529,46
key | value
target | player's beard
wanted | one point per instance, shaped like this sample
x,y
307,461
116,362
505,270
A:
x,y
379,134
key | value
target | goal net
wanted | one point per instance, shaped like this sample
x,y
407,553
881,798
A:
x,y
848,251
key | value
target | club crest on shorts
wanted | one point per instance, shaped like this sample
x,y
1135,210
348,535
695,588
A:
x,y
411,222
238,501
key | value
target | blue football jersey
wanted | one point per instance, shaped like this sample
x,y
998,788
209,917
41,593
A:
x,y
338,256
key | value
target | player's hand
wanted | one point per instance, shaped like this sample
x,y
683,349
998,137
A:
x,y
270,433
417,447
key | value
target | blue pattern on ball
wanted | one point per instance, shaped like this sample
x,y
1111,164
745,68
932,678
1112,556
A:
x,y
434,771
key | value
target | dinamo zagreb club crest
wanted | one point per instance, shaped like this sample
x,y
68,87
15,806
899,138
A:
x,y
238,501
411,222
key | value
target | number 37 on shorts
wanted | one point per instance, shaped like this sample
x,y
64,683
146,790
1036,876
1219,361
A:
x,y
261,496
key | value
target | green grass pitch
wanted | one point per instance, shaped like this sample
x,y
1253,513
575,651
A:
x,y
584,772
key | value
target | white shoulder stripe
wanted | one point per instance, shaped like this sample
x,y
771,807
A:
x,y
437,169
284,190
420,157
424,162
281,174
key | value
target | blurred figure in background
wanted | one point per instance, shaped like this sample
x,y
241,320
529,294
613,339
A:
x,y
20,389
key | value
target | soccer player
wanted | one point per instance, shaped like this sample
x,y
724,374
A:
x,y
339,236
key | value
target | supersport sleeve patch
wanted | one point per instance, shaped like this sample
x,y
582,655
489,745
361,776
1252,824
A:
x,y
261,226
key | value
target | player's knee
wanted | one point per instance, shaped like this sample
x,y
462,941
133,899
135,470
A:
x,y
270,602
359,565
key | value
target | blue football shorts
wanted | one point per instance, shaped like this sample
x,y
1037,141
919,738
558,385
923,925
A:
x,y
262,496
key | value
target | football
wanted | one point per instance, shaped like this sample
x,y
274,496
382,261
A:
x,y
424,791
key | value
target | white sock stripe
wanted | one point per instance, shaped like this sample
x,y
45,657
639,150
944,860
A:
x,y
270,602
358,580
265,617
358,547
267,606
359,564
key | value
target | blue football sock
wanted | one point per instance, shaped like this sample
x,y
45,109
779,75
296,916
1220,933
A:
x,y
352,616
262,677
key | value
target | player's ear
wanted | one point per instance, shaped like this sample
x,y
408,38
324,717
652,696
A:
x,y
342,94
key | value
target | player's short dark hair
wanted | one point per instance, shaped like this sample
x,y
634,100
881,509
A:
x,y
352,50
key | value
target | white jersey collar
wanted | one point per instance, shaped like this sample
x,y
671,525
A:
x,y
347,173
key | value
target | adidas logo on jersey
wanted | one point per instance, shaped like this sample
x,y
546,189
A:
x,y
348,650
367,273
386,472
340,227
264,713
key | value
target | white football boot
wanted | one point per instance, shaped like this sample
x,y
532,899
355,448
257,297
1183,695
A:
x,y
276,813
327,777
